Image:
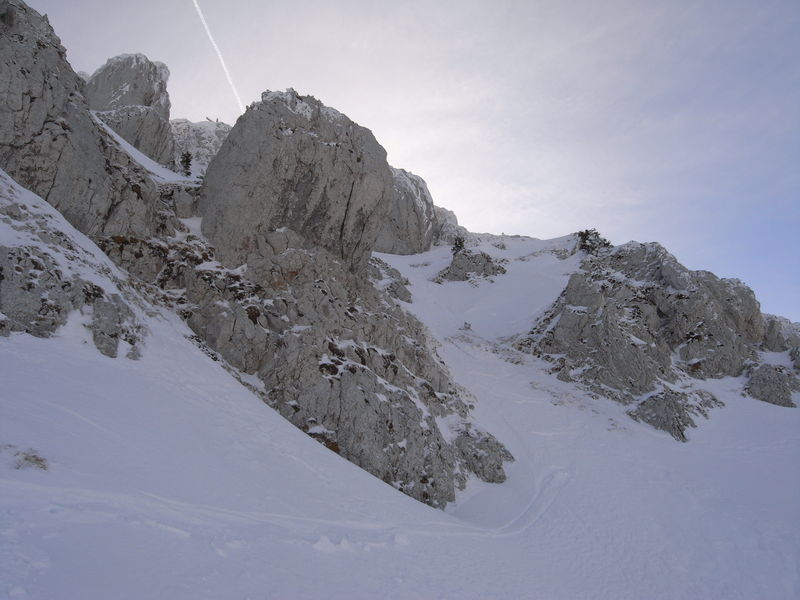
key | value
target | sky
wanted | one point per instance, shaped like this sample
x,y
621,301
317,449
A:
x,y
676,122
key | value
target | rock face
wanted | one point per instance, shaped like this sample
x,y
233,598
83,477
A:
x,y
48,270
294,200
295,307
202,140
635,324
773,384
49,142
293,163
145,129
389,279
333,353
780,334
130,94
447,228
411,223
672,411
794,354
467,265
129,80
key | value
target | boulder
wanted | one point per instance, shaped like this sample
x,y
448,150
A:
x,y
780,333
672,411
773,384
292,203
291,162
467,265
410,226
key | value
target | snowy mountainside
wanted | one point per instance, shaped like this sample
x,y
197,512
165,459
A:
x,y
49,269
501,307
179,399
629,323
176,482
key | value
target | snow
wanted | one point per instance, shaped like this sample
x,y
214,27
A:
x,y
33,228
194,225
492,309
168,479
160,173
296,104
292,100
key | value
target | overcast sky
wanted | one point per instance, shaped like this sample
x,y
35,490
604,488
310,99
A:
x,y
676,122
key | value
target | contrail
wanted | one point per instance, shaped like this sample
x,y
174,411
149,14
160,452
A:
x,y
219,54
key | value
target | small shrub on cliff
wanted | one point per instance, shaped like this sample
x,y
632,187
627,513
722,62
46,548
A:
x,y
186,163
591,241
458,244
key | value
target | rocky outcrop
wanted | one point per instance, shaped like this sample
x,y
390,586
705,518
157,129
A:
x,y
129,80
672,411
411,223
773,384
447,229
387,278
202,140
49,142
145,129
295,307
780,334
48,271
129,93
333,353
794,354
467,265
633,323
291,162
180,199
293,203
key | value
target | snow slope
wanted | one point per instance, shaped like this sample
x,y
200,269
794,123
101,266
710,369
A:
x,y
159,173
166,478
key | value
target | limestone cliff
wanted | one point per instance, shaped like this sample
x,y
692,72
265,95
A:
x,y
202,140
49,142
635,325
48,270
411,223
291,162
129,80
129,92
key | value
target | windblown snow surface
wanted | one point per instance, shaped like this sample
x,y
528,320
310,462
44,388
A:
x,y
167,479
